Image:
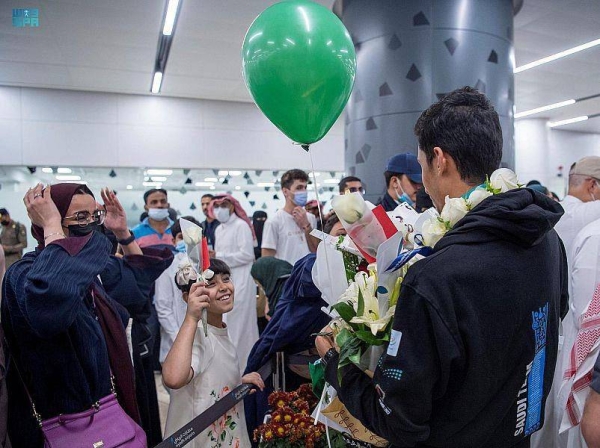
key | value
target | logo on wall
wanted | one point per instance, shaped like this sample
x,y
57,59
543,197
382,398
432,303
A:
x,y
23,18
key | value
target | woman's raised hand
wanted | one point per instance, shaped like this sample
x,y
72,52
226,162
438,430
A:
x,y
116,219
41,208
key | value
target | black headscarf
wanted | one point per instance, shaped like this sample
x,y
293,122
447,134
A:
x,y
258,222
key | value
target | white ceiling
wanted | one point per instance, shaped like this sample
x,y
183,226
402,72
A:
x,y
110,45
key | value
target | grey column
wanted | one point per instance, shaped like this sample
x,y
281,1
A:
x,y
410,53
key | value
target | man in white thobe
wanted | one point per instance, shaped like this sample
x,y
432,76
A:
x,y
234,244
582,207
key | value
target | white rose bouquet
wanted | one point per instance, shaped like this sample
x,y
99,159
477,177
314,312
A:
x,y
363,228
455,209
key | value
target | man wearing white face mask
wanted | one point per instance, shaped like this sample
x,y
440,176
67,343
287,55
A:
x,y
287,235
234,244
155,230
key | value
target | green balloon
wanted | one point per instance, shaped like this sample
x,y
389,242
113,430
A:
x,y
299,65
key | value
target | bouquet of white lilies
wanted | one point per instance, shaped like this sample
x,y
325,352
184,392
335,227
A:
x,y
365,310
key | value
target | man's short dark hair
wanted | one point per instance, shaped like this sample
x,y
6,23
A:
x,y
208,195
388,177
332,221
344,182
464,125
290,176
176,228
154,190
3,212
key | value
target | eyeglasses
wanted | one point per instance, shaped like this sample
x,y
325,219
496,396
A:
x,y
84,218
361,190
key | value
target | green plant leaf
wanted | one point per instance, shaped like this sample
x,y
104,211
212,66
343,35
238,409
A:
x,y
355,357
345,310
361,304
367,336
343,337
349,350
351,263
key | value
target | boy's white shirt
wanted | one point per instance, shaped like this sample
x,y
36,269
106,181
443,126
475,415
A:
x,y
216,371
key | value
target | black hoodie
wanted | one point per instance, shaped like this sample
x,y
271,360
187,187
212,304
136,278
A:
x,y
475,334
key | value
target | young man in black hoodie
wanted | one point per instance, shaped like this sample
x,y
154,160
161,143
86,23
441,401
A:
x,y
476,325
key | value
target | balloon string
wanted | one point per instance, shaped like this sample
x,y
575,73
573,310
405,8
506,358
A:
x,y
312,164
325,248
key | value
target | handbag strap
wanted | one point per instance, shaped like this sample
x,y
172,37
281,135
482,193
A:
x,y
36,414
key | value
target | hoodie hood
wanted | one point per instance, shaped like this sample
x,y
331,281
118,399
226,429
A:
x,y
523,217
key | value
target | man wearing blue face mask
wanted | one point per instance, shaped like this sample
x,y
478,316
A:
x,y
403,180
155,230
287,235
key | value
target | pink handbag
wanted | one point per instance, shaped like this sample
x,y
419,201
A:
x,y
104,425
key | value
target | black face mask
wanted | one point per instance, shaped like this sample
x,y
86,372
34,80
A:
x,y
76,230
5,223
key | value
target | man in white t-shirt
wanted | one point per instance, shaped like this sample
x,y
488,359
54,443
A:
x,y
286,235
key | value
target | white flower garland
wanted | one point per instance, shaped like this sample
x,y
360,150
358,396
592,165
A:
x,y
455,209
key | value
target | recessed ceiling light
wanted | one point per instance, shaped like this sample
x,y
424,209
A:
x,y
158,178
152,184
311,174
223,173
554,124
170,17
130,187
331,181
238,187
212,188
67,177
556,56
64,171
537,110
204,184
159,172
157,82
235,173
266,184
210,179
47,170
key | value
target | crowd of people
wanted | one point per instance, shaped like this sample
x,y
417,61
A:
x,y
495,338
